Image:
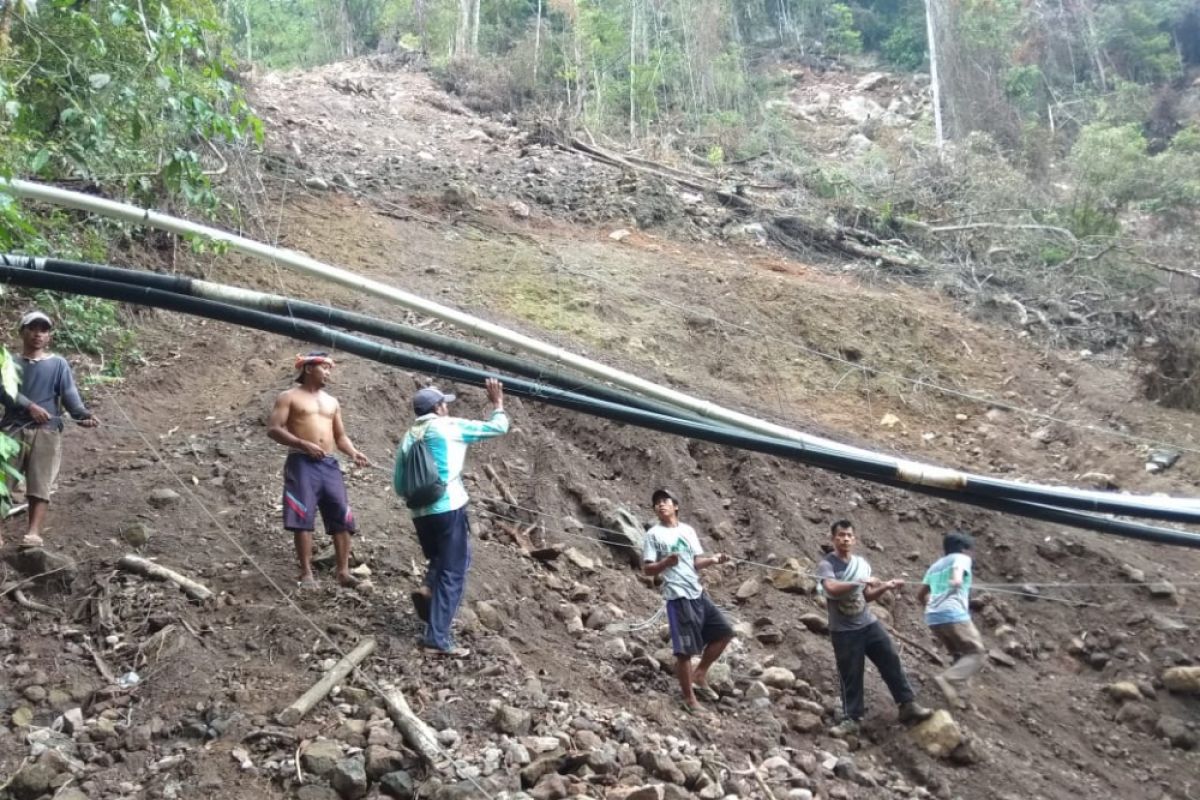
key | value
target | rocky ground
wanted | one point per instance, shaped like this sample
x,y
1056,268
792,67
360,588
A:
x,y
119,686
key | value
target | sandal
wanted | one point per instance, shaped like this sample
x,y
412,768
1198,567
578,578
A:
x,y
453,652
706,692
32,540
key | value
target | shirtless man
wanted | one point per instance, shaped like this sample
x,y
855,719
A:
x,y
309,422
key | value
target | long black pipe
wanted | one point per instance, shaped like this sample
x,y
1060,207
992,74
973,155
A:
x,y
856,467
975,484
353,321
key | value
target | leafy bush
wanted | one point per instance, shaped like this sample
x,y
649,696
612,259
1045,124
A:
x,y
120,93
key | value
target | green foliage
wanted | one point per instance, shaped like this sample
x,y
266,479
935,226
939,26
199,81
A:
x,y
1136,35
1023,86
91,325
840,36
1114,170
119,93
907,46
10,380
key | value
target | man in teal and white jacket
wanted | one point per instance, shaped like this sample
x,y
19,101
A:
x,y
442,526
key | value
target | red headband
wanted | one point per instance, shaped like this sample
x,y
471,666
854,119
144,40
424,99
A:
x,y
302,361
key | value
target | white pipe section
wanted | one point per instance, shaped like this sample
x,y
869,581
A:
x,y
310,266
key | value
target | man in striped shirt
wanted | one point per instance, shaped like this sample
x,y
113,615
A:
x,y
442,526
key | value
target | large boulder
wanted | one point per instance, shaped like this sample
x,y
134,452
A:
x,y
795,577
939,735
349,778
320,757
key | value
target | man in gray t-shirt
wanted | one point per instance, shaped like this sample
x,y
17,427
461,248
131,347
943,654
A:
x,y
35,417
846,583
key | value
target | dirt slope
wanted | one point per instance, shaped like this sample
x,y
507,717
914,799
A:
x,y
732,322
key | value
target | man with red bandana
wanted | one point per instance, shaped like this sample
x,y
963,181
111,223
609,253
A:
x,y
308,421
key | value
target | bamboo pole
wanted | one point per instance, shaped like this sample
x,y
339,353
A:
x,y
148,569
418,735
307,701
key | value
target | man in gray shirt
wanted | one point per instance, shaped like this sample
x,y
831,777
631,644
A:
x,y
35,418
848,587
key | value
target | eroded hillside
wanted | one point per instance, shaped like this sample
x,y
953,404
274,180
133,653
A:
x,y
564,695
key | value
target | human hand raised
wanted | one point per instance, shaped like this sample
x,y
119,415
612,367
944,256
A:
x,y
495,392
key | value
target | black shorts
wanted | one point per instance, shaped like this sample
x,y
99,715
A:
x,y
694,624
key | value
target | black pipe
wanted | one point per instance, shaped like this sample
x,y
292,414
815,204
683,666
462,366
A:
x,y
283,306
856,467
349,320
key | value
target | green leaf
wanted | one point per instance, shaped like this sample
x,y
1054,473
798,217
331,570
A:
x,y
9,379
39,161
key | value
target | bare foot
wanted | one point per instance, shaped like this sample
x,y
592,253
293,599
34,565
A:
x,y
347,580
32,540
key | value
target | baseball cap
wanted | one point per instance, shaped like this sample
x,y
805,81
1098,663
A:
x,y
35,316
427,399
660,494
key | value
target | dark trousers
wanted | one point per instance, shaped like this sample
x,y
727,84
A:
x,y
446,542
852,648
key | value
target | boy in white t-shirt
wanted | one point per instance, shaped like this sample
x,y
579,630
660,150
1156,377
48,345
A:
x,y
946,592
698,628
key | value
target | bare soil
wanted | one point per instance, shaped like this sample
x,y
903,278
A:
x,y
740,325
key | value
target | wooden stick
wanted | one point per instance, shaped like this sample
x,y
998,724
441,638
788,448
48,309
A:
x,y
504,491
12,587
33,605
101,665
148,569
519,539
934,657
296,711
761,783
419,736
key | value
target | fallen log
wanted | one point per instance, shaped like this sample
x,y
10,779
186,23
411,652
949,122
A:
x,y
792,232
307,701
148,569
420,737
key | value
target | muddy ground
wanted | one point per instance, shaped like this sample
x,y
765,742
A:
x,y
736,323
